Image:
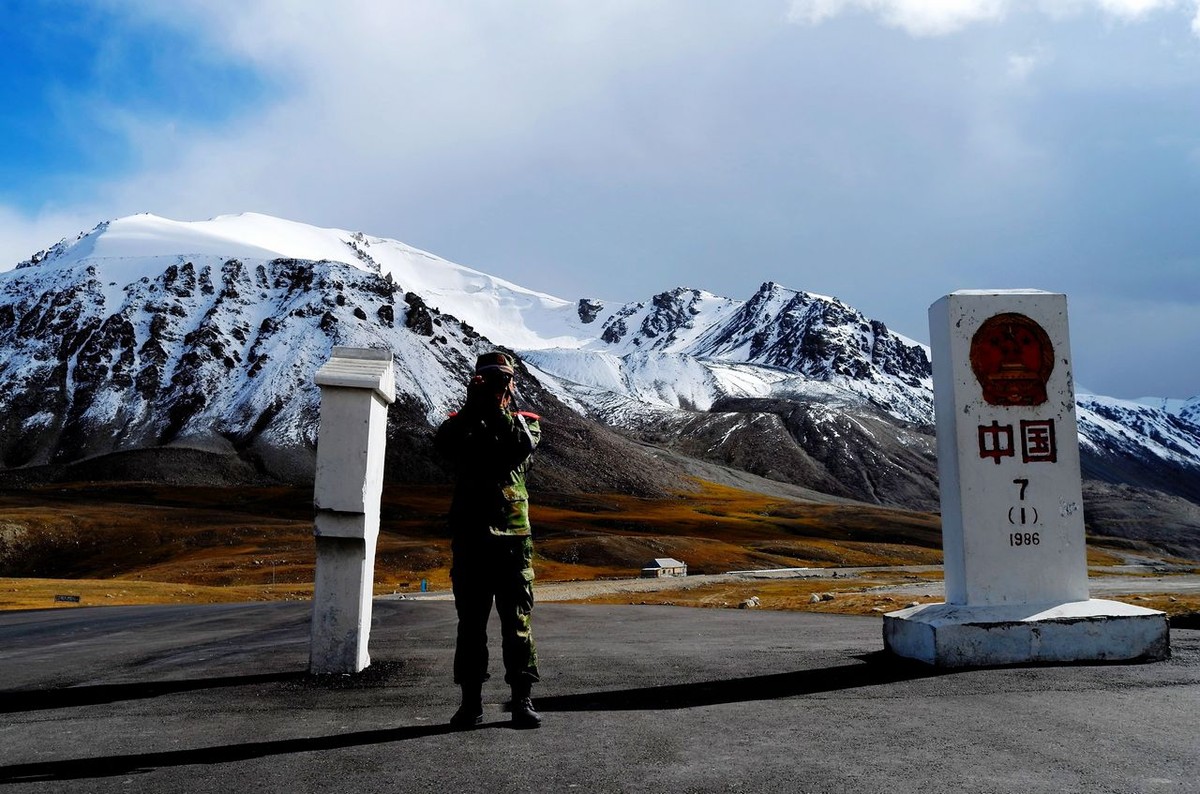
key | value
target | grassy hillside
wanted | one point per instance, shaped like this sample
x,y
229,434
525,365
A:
x,y
119,543
256,537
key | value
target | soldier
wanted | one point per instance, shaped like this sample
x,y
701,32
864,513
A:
x,y
489,445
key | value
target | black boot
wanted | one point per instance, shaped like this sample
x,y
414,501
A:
x,y
523,715
470,713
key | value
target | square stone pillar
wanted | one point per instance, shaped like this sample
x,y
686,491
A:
x,y
1012,503
357,385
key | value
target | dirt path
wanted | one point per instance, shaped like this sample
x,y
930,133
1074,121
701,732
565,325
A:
x,y
1130,579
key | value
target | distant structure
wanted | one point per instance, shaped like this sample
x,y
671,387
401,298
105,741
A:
x,y
664,566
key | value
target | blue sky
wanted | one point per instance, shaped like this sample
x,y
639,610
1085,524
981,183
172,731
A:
x,y
883,151
75,74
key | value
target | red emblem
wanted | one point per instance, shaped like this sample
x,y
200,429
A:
x,y
1012,359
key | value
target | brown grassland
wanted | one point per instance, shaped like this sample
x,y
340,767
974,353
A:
x,y
137,543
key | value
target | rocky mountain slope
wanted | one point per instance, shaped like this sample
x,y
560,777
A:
x,y
155,340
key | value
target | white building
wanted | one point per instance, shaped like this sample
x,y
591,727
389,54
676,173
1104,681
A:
x,y
664,566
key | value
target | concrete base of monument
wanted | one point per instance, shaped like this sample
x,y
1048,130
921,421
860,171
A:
x,y
953,635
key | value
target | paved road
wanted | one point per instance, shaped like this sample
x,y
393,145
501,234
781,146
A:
x,y
656,699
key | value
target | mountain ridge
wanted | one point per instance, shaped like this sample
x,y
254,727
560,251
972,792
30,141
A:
x,y
149,333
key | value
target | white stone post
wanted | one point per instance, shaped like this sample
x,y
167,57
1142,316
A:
x,y
1012,504
357,385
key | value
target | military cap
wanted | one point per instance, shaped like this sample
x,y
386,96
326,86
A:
x,y
495,361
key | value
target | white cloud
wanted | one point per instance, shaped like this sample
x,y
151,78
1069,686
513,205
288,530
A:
x,y
918,17
384,116
1133,9
941,17
616,147
1020,66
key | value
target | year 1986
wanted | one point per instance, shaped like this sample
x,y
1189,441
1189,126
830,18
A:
x,y
1023,539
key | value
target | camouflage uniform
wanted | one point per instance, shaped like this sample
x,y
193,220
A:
x,y
490,450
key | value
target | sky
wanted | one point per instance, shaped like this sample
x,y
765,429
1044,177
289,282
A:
x,y
886,152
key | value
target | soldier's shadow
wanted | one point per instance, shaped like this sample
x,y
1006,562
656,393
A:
x,y
141,763
879,668
874,669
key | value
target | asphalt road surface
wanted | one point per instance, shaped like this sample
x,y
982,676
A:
x,y
635,698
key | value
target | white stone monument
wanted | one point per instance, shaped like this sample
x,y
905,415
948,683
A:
x,y
1012,504
357,385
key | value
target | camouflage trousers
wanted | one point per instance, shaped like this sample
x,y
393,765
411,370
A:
x,y
499,569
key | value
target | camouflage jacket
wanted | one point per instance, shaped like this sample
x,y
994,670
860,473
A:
x,y
490,453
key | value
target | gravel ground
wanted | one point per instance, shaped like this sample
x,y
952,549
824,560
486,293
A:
x,y
1128,581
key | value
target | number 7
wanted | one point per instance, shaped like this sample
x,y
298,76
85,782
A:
x,y
1024,484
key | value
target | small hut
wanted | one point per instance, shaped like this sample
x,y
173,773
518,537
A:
x,y
664,566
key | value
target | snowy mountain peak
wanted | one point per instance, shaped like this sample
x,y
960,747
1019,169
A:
x,y
245,236
146,332
669,321
247,274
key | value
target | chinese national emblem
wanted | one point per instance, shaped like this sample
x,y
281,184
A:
x,y
1012,358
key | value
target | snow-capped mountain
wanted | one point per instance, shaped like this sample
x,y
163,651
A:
x,y
688,348
147,333
1136,442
